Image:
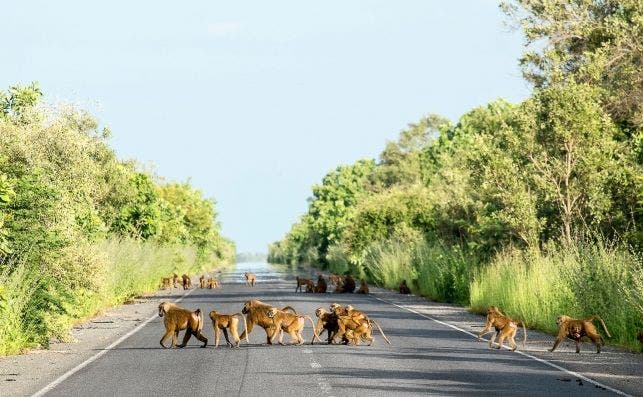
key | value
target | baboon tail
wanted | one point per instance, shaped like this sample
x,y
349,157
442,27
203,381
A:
x,y
524,332
283,309
604,327
245,325
381,332
199,315
315,336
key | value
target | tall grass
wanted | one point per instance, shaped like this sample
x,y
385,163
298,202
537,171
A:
x,y
580,280
16,294
431,269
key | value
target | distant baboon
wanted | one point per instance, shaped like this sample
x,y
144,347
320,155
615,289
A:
x,y
404,289
251,278
346,285
203,281
363,288
576,329
178,319
165,282
302,282
334,279
175,280
187,283
213,283
321,285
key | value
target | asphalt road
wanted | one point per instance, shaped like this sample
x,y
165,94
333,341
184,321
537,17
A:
x,y
425,357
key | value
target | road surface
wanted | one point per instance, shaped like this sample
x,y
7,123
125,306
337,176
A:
x,y
426,357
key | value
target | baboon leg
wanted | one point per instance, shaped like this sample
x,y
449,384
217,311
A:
x,y
217,336
249,327
165,336
202,338
493,339
597,341
513,343
174,338
270,333
556,343
501,340
227,340
235,335
186,338
577,346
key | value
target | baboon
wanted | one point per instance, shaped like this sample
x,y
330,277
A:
x,y
203,281
293,324
363,288
178,319
213,283
355,321
334,279
345,285
165,282
404,289
302,282
576,329
187,283
504,327
321,285
326,321
255,312
227,322
310,286
251,278
175,280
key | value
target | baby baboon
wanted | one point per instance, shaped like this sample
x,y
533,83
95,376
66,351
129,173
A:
x,y
326,321
291,323
187,283
503,326
576,329
251,278
321,285
227,322
165,282
302,282
178,319
363,288
213,283
255,312
404,289
203,282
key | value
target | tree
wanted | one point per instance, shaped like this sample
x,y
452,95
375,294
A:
x,y
598,42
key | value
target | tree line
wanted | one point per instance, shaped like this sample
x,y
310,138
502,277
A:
x,y
64,197
447,205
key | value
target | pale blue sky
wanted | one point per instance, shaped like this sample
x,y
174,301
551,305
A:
x,y
256,100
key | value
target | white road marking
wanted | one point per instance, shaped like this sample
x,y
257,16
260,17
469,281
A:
x,y
96,356
540,360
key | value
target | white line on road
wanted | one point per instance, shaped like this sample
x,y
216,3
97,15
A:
x,y
540,360
96,356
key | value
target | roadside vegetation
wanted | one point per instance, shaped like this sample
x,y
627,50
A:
x,y
535,207
81,230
